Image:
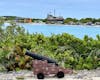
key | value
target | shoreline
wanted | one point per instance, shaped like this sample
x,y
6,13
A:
x,y
97,26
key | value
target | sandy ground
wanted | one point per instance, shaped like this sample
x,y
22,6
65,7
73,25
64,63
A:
x,y
28,75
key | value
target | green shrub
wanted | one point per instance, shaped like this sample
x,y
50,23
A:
x,y
68,50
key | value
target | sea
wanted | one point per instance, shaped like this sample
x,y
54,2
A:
x,y
78,31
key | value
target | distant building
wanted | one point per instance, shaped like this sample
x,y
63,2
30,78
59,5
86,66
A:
x,y
89,23
97,23
27,20
71,23
19,20
54,20
23,20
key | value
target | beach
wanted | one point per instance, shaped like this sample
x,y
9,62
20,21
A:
x,y
28,75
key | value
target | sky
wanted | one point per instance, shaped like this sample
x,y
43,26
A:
x,y
40,8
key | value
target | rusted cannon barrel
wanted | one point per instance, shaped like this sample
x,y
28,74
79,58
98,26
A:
x,y
39,57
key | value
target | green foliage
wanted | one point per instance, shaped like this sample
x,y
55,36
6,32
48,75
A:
x,y
85,20
68,50
81,21
68,20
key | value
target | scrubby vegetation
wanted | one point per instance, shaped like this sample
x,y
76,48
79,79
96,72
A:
x,y
69,51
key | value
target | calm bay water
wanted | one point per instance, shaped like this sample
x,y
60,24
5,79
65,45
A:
x,y
76,30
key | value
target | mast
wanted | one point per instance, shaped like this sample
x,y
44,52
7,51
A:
x,y
54,12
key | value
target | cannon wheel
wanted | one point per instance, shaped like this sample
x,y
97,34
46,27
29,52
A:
x,y
40,76
60,74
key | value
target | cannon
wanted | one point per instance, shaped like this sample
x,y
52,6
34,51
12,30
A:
x,y
43,66
39,57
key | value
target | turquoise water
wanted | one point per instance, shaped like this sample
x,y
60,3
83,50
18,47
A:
x,y
76,30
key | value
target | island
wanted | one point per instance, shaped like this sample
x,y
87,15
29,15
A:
x,y
52,19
